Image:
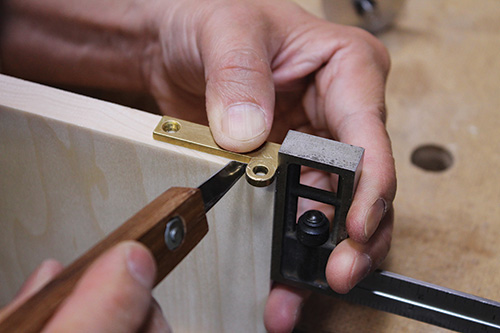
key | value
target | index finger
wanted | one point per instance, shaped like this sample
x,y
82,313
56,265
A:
x,y
353,83
353,88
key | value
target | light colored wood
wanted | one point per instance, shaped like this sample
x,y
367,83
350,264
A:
x,y
313,6
72,169
443,89
147,227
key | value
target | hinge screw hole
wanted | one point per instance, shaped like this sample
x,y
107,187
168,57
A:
x,y
171,126
260,170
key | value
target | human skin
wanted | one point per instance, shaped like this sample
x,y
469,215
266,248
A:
x,y
114,294
251,70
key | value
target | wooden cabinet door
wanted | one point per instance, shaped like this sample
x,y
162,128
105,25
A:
x,y
72,169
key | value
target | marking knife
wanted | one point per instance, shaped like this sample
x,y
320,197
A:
x,y
170,227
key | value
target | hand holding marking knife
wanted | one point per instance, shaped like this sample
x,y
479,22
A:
x,y
170,227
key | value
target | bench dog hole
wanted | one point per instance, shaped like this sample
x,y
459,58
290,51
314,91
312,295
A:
x,y
432,157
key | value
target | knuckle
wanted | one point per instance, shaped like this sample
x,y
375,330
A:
x,y
243,59
365,43
240,66
241,55
234,12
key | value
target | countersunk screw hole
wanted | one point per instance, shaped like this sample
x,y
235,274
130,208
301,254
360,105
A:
x,y
171,126
260,170
432,158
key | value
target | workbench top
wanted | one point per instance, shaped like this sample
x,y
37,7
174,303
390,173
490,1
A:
x,y
443,95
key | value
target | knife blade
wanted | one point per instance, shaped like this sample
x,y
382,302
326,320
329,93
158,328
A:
x,y
214,189
170,227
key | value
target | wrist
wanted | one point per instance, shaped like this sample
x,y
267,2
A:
x,y
102,44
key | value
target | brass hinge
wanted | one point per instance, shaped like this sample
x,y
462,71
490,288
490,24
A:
x,y
261,163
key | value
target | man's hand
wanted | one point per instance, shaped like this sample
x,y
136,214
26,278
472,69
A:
x,y
114,294
251,69
263,67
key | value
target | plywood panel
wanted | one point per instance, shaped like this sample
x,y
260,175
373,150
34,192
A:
x,y
442,89
73,168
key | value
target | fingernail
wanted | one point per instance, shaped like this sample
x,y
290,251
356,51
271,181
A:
x,y
360,268
140,265
375,214
243,121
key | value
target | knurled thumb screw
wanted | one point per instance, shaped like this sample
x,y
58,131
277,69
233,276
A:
x,y
313,228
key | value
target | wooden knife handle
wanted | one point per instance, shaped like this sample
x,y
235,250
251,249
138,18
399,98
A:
x,y
147,226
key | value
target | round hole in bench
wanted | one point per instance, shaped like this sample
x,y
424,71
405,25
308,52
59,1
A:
x,y
432,157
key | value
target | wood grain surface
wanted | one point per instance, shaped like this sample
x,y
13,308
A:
x,y
443,90
72,169
146,227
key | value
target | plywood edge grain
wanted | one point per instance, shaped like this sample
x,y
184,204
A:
x,y
86,112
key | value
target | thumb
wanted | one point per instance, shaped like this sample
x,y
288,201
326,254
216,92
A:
x,y
239,83
114,294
